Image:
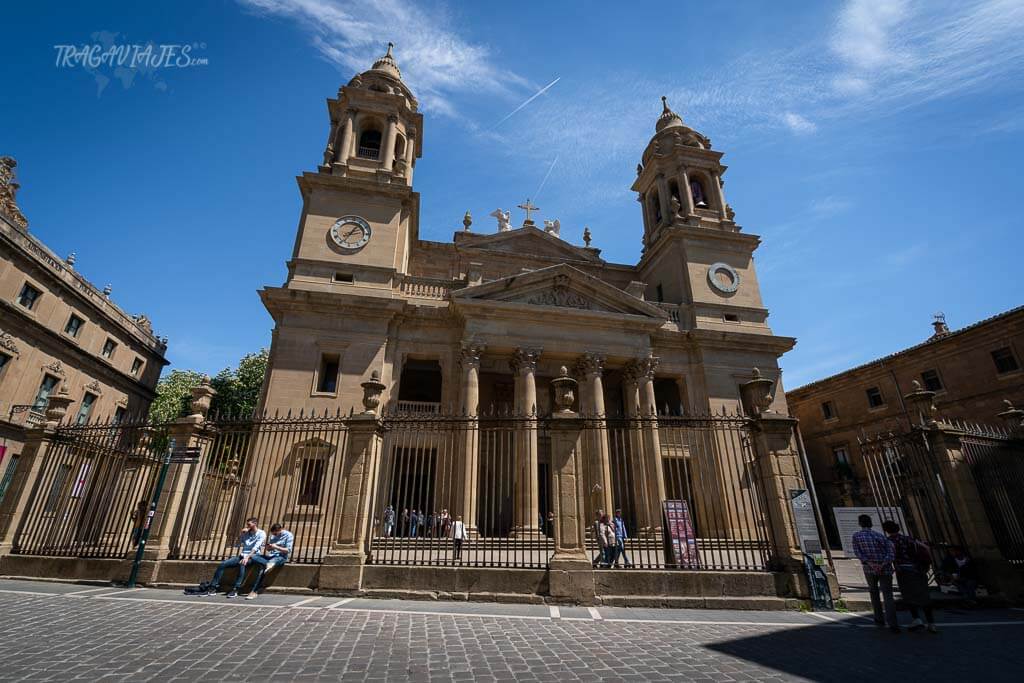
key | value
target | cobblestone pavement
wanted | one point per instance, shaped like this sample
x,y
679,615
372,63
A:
x,y
53,631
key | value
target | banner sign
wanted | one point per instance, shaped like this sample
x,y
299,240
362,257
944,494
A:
x,y
846,522
679,535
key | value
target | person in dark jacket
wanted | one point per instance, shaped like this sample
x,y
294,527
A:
x,y
959,566
911,559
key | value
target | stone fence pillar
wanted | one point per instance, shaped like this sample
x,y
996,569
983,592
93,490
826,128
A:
x,y
778,471
571,575
342,568
21,491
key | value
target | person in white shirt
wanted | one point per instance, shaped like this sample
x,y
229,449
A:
x,y
458,535
250,542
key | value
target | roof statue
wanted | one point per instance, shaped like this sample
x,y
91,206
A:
x,y
8,190
503,219
552,227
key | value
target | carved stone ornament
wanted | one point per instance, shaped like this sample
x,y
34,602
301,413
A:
x,y
94,387
469,355
56,368
590,364
922,403
756,394
57,405
372,389
523,360
560,295
565,387
202,397
7,342
8,192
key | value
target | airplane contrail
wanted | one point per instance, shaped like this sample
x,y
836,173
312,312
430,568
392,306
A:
x,y
550,168
531,99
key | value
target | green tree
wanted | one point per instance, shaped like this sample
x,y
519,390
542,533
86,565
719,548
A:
x,y
238,389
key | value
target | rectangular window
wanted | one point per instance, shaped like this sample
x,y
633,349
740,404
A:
x,y
731,317
108,349
310,481
828,410
931,381
119,414
136,366
85,409
29,296
327,378
5,483
841,455
46,388
344,277
875,399
661,292
74,326
1005,360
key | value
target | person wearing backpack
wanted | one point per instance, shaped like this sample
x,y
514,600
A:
x,y
912,559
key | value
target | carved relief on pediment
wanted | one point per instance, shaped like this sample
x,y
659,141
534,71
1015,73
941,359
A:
x,y
559,296
7,342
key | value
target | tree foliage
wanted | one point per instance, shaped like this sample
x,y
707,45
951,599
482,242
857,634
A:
x,y
238,389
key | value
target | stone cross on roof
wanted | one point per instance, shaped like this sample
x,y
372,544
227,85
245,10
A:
x,y
528,207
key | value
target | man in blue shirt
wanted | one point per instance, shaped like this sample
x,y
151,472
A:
x,y
279,549
876,555
620,539
250,543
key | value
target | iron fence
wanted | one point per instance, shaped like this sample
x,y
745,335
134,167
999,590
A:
x,y
687,490
92,494
440,475
277,469
996,460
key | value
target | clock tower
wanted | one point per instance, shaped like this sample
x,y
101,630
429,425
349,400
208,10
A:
x,y
360,213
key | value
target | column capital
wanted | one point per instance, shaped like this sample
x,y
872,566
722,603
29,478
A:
x,y
590,364
641,368
469,354
392,118
524,360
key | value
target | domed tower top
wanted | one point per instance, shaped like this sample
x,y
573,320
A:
x,y
668,117
387,64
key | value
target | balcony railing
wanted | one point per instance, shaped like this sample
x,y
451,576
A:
x,y
26,416
368,153
419,407
671,309
425,288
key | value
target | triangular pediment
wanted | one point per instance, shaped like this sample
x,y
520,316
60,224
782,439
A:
x,y
527,241
559,286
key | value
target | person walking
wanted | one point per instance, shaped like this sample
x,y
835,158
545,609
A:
x,y
277,552
912,559
621,534
606,536
876,554
250,543
403,531
596,528
414,522
389,521
458,536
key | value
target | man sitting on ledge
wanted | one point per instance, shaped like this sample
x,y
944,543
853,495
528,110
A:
x,y
279,549
250,543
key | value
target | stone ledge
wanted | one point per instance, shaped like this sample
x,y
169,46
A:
x,y
750,602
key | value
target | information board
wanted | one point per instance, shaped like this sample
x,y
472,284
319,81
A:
x,y
680,539
846,522
806,525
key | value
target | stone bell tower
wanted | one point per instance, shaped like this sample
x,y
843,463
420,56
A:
x,y
359,209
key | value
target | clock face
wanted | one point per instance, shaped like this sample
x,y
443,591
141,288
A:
x,y
350,233
723,277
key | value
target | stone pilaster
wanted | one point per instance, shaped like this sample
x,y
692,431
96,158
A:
x,y
389,143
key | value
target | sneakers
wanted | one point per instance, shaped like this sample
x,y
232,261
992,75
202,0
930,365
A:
x,y
932,629
212,591
233,594
916,624
252,596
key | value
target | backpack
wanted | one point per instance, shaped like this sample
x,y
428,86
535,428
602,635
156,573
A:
x,y
922,556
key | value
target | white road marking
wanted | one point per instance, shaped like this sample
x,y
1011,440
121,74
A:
x,y
54,595
339,603
89,590
594,614
826,617
303,602
555,612
947,624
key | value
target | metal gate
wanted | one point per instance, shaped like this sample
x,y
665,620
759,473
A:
x,y
903,472
92,494
996,460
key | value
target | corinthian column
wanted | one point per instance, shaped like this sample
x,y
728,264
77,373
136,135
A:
x,y
525,504
651,479
600,484
470,403
344,148
389,143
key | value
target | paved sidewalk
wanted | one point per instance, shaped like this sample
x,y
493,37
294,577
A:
x,y
55,631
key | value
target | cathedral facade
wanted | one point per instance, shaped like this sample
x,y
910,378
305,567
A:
x,y
485,321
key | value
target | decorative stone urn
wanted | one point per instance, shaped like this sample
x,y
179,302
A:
x,y
372,389
922,404
202,397
57,406
756,394
565,393
1013,417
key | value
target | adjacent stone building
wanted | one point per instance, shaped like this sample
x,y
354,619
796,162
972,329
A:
x,y
487,319
972,371
58,332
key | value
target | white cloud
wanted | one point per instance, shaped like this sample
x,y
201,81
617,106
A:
x,y
863,36
798,124
828,206
436,62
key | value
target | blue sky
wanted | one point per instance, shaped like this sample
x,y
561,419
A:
x,y
874,146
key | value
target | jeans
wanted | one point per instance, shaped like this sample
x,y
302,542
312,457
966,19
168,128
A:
x,y
389,528
458,548
620,551
882,583
263,565
610,553
235,561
